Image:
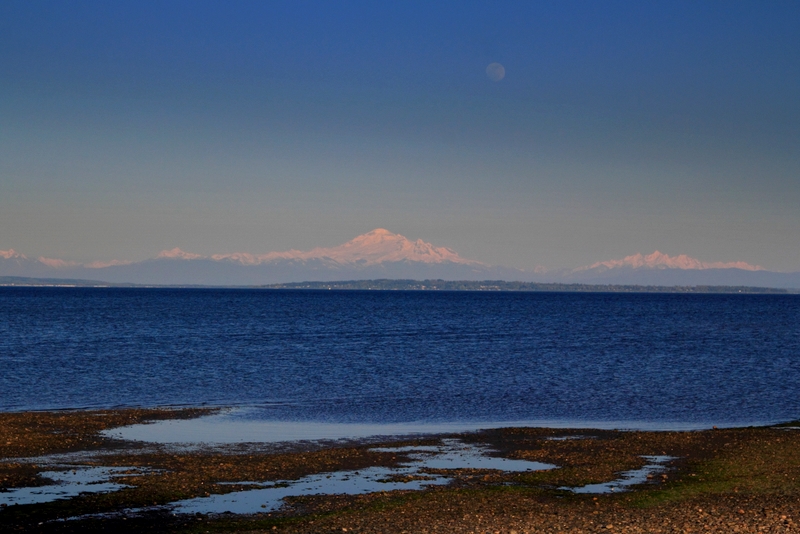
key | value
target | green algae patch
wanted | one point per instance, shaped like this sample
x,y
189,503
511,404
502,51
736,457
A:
x,y
754,461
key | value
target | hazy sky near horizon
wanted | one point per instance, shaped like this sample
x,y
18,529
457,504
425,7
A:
x,y
619,127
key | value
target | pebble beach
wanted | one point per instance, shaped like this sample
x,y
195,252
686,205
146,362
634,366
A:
x,y
716,480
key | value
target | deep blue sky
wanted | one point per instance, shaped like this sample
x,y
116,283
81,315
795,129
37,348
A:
x,y
620,127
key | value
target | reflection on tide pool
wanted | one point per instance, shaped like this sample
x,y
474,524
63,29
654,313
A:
x,y
656,464
238,426
425,466
415,475
70,483
246,425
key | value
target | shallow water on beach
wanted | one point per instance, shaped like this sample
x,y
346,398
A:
x,y
406,358
413,475
628,479
69,482
244,426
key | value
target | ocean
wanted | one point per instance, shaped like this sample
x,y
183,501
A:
x,y
395,357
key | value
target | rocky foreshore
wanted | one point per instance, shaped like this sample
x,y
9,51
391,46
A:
x,y
727,480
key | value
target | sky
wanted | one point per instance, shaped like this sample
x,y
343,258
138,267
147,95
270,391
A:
x,y
130,127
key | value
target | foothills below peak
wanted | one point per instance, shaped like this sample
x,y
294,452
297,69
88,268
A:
x,y
376,249
373,248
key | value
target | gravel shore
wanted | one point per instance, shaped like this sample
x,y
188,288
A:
x,y
731,480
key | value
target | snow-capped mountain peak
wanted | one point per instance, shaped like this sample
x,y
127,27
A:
x,y
659,260
178,254
11,253
373,248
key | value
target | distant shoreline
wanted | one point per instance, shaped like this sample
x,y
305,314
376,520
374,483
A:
x,y
414,285
501,285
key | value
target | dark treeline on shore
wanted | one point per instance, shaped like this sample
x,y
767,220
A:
x,y
419,285
500,285
26,281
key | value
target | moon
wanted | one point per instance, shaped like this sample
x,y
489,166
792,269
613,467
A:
x,y
495,72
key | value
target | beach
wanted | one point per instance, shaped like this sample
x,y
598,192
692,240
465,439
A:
x,y
715,480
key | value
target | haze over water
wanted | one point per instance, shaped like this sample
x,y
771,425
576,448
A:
x,y
394,357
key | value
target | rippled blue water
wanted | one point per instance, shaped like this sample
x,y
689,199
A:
x,y
406,356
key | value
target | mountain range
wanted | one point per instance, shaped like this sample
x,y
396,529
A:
x,y
381,254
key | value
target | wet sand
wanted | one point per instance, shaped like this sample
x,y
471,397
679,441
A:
x,y
727,480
